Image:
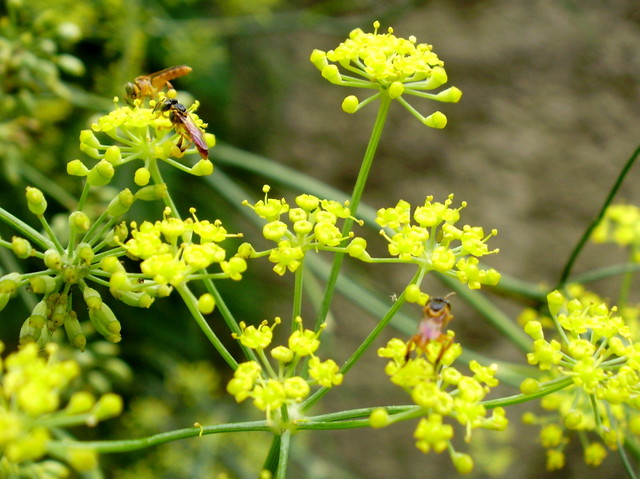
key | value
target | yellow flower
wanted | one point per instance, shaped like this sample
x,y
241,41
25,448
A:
x,y
394,66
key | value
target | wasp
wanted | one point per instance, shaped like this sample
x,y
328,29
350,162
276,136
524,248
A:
x,y
148,86
184,125
435,318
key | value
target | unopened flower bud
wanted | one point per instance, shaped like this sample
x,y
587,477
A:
x,y
36,201
152,192
79,221
89,138
74,331
101,174
9,283
202,168
108,406
106,323
81,402
142,176
121,203
44,284
77,168
113,155
206,303
21,247
379,418
350,104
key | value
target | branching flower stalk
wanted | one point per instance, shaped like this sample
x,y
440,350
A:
x,y
392,66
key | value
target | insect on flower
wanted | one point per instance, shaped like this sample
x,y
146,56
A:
x,y
435,317
184,125
148,86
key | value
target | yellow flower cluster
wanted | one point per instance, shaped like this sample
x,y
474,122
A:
x,y
32,388
271,389
596,352
170,256
140,134
620,225
394,66
443,391
312,227
435,243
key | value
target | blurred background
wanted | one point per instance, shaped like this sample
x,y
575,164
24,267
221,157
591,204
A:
x,y
548,117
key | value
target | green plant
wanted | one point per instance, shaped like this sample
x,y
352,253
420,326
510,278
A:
x,y
587,378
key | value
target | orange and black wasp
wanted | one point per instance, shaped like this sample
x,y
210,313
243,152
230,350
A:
x,y
148,86
435,318
184,125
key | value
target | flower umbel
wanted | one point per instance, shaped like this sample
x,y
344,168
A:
x,y
443,391
271,389
143,133
32,388
170,256
394,66
435,243
597,356
312,227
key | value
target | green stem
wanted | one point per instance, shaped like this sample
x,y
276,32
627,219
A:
x,y
491,312
271,461
356,196
20,226
128,445
283,458
158,180
395,307
587,234
606,272
192,304
227,315
545,389
297,295
627,280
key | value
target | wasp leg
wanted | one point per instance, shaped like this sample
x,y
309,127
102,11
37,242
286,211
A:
x,y
445,343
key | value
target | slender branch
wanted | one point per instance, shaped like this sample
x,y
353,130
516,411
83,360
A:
x,y
587,234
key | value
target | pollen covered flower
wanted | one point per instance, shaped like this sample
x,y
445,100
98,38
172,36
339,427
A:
x,y
140,133
395,67
595,353
170,254
443,391
429,237
311,225
287,385
33,388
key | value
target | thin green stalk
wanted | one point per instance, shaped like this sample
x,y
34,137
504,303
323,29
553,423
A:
x,y
283,458
271,461
545,389
624,457
356,196
606,272
164,437
587,234
297,294
492,313
227,315
22,227
627,280
192,304
158,180
382,324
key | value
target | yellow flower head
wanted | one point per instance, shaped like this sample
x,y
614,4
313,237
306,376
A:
x,y
394,66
